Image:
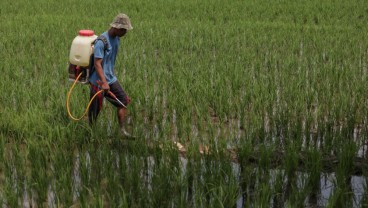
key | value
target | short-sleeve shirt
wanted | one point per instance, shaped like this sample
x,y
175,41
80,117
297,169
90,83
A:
x,y
108,58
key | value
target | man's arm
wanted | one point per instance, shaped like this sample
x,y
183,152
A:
x,y
98,66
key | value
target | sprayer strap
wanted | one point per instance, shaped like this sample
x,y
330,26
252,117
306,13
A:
x,y
92,59
104,40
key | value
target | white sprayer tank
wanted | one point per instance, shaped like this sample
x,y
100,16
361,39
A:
x,y
81,49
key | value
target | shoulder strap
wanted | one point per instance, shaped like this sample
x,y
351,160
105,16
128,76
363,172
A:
x,y
104,40
106,46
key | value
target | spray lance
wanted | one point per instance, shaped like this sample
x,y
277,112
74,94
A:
x,y
112,95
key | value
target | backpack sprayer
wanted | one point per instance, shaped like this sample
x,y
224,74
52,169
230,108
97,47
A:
x,y
81,63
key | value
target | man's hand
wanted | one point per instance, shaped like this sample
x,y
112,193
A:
x,y
104,85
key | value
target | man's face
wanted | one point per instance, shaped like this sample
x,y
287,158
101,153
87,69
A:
x,y
121,32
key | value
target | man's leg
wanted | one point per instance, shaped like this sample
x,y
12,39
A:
x,y
96,104
121,118
118,91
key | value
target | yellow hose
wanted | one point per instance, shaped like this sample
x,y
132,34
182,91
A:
x,y
68,99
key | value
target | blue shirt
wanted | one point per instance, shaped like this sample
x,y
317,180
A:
x,y
108,58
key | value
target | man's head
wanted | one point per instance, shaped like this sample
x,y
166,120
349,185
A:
x,y
121,21
121,24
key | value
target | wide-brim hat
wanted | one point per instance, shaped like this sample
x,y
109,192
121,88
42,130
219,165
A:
x,y
122,21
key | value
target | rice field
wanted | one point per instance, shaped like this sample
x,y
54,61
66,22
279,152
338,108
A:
x,y
267,98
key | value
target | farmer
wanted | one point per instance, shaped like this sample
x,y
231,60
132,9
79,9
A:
x,y
104,76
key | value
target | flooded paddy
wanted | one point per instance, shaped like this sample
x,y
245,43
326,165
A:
x,y
173,174
244,104
272,188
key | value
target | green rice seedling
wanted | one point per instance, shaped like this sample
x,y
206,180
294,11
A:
x,y
219,181
364,201
265,155
84,168
183,186
11,186
221,198
190,175
313,163
343,173
3,149
21,169
290,166
2,159
40,174
63,175
111,182
135,179
164,175
247,173
343,195
305,193
340,198
326,135
263,196
291,158
91,185
279,197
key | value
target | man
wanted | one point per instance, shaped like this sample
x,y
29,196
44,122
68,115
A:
x,y
104,76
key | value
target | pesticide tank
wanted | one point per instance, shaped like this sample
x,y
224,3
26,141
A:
x,y
80,55
81,49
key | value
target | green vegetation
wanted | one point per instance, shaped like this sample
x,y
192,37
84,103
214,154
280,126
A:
x,y
264,77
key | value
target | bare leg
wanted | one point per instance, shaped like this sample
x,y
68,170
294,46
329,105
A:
x,y
121,117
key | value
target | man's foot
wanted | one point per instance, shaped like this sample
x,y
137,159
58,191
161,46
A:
x,y
126,134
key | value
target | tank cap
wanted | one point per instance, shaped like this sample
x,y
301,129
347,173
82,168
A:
x,y
86,32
